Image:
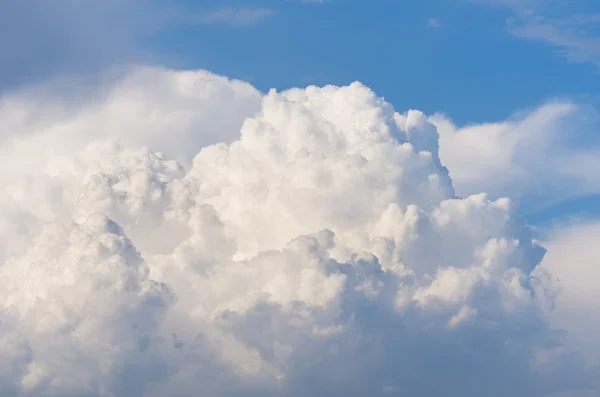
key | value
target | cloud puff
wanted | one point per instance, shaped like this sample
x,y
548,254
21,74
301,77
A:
x,y
176,113
321,251
511,157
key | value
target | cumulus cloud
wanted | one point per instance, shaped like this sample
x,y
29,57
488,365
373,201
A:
x,y
512,157
174,112
185,234
573,260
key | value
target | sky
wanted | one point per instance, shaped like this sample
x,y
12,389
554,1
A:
x,y
169,158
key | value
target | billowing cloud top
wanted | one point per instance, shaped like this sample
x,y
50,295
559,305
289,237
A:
x,y
320,250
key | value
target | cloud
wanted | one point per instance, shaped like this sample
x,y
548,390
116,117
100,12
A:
x,y
235,16
174,112
433,23
570,36
557,23
511,157
572,259
320,251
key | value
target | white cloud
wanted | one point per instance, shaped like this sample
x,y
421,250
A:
x,y
320,252
573,259
512,157
555,22
174,112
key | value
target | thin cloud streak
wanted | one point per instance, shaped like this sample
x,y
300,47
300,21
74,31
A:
x,y
553,22
234,16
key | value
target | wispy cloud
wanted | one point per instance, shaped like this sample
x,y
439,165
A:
x,y
571,35
234,16
576,34
433,23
